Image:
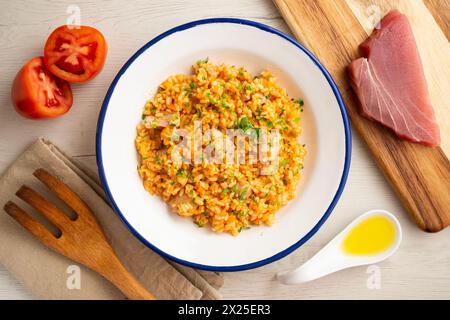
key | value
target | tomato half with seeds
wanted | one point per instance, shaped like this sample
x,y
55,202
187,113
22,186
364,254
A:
x,y
75,53
37,93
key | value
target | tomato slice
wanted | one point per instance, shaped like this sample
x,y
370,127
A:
x,y
75,53
37,93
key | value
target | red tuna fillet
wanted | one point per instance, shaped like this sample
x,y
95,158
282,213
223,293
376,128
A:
x,y
390,83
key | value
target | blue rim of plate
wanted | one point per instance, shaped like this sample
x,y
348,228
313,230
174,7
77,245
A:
x,y
348,145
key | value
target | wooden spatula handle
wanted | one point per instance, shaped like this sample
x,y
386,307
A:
x,y
117,274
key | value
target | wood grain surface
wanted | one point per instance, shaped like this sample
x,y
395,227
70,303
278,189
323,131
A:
x,y
419,269
440,9
333,30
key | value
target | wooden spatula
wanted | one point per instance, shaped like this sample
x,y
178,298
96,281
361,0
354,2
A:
x,y
81,239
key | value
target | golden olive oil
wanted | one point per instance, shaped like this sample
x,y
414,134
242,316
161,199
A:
x,y
371,236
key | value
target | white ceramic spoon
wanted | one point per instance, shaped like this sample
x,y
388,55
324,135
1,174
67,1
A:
x,y
333,258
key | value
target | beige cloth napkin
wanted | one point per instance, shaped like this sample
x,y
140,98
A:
x,y
46,274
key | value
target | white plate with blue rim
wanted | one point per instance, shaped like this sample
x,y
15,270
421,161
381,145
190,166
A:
x,y
256,47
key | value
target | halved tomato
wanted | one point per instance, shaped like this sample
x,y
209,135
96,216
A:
x,y
37,93
75,53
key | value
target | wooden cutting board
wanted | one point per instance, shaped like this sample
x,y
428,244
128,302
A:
x,y
332,30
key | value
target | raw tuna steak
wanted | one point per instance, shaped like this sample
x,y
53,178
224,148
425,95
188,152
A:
x,y
390,83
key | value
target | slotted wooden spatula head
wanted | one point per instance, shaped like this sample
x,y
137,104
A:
x,y
80,239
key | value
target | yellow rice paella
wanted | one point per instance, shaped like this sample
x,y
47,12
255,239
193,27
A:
x,y
227,197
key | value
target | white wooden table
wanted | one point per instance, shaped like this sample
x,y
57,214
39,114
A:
x,y
421,267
